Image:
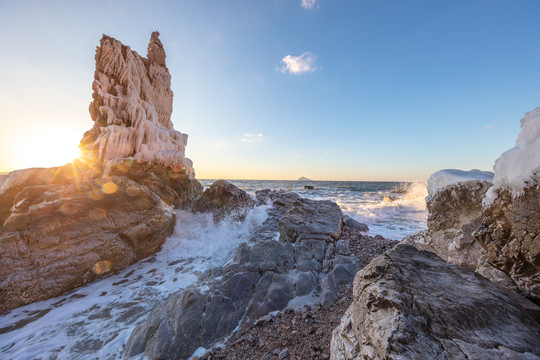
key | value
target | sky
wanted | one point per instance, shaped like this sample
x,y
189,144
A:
x,y
279,89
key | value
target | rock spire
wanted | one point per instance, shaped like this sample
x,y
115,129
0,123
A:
x,y
131,108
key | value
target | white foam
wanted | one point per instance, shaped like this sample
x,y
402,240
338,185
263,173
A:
x,y
517,168
95,321
405,215
443,178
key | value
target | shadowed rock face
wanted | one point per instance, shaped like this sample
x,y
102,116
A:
x,y
510,234
66,226
411,304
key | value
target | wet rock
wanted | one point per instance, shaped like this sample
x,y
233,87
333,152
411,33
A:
x,y
350,222
265,276
223,199
311,220
411,304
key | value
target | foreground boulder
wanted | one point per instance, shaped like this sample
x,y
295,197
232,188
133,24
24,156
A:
x,y
411,304
266,275
66,226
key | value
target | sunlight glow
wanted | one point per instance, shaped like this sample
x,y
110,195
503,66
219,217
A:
x,y
46,148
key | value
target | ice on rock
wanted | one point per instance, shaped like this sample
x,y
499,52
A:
x,y
132,107
447,177
518,167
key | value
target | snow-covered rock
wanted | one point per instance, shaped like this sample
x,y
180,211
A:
x,y
131,108
443,178
519,167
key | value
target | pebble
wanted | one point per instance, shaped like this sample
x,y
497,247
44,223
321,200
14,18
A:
x,y
284,354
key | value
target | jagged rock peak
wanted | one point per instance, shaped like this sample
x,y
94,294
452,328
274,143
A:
x,y
132,107
156,52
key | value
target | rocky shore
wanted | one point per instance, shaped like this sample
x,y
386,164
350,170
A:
x,y
310,283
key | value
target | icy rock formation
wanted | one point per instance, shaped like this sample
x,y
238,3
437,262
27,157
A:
x,y
410,304
519,167
510,230
131,108
66,226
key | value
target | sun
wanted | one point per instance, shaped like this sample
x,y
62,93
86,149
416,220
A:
x,y
46,148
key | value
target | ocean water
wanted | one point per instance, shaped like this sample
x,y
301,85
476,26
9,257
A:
x,y
95,320
401,214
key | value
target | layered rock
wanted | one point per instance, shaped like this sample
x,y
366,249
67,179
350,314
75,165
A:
x,y
510,235
454,213
411,304
63,227
266,274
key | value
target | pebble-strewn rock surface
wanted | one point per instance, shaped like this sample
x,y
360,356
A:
x,y
410,304
296,257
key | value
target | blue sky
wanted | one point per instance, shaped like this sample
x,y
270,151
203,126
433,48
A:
x,y
395,90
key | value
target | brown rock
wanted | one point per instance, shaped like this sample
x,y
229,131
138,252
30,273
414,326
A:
x,y
223,199
60,236
510,234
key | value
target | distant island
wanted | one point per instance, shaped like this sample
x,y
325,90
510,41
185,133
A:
x,y
304,179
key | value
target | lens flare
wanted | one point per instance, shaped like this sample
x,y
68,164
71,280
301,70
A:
x,y
109,188
102,267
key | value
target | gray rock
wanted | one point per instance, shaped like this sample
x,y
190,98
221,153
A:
x,y
284,354
311,220
270,255
350,222
305,283
273,292
410,304
341,274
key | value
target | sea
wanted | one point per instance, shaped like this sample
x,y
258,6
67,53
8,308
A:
x,y
94,321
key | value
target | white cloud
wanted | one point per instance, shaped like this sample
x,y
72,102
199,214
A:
x,y
489,127
253,138
310,4
297,65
